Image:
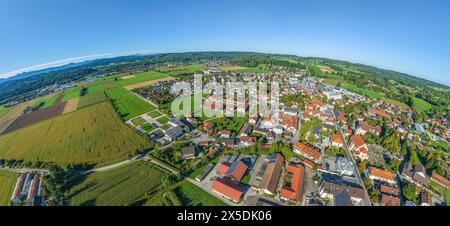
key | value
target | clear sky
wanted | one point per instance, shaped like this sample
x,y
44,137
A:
x,y
407,36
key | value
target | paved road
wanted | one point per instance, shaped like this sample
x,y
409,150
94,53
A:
x,y
358,175
25,170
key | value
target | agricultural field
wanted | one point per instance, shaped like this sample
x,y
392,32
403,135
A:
x,y
92,135
71,105
141,77
7,184
182,70
91,98
117,187
71,93
13,113
232,68
258,70
96,88
127,104
47,101
3,111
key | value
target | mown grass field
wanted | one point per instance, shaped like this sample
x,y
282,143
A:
x,y
71,93
7,184
127,104
116,187
92,98
142,77
93,135
47,101
397,103
148,127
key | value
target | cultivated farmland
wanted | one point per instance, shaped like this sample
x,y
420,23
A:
x,y
142,77
92,98
7,184
13,113
35,117
127,104
117,187
93,135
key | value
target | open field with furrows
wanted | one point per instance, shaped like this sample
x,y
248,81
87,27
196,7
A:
x,y
13,113
71,105
127,104
35,117
7,184
117,187
93,135
92,98
141,77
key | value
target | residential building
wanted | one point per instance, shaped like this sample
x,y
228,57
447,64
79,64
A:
x,y
293,184
306,151
381,175
359,147
389,200
337,140
227,189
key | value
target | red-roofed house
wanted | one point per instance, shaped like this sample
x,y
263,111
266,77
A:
x,y
228,189
389,200
440,180
223,168
337,140
359,147
293,185
307,151
237,170
381,175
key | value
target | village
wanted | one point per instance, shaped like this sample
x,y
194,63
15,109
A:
x,y
318,151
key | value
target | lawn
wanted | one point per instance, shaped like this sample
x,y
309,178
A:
x,y
127,104
148,127
421,105
154,114
116,187
163,119
91,99
192,195
7,184
233,124
363,91
142,77
138,121
93,135
96,88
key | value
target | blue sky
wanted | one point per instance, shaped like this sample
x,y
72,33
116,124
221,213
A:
x,y
407,36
